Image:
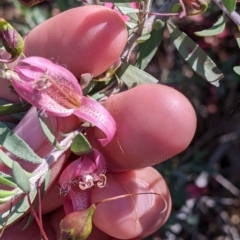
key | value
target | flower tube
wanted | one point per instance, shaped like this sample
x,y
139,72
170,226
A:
x,y
77,179
55,91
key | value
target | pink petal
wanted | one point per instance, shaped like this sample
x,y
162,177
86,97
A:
x,y
43,65
93,112
79,200
76,169
39,78
26,73
100,162
67,205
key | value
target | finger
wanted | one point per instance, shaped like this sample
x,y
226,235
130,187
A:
x,y
133,216
86,39
154,123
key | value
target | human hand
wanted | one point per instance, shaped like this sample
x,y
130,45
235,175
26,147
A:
x,y
154,123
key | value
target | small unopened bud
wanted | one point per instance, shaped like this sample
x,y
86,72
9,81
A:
x,y
11,40
77,225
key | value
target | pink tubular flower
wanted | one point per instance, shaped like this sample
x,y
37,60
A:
x,y
55,91
78,177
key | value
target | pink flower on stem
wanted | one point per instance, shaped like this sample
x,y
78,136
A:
x,y
55,91
77,179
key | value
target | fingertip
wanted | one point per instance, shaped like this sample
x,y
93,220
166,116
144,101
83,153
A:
x,y
136,215
86,39
154,123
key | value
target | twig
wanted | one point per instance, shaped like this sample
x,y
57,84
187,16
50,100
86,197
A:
x,y
233,15
148,24
227,184
36,218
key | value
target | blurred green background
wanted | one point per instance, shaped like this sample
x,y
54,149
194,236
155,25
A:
x,y
204,180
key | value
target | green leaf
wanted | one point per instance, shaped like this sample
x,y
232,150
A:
x,y
6,193
17,211
143,38
14,144
81,145
12,108
6,159
148,49
133,76
7,182
48,131
20,177
175,8
229,4
216,29
238,42
131,25
195,56
236,69
46,180
126,9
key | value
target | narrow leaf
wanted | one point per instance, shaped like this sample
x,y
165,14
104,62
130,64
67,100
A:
x,y
148,49
230,4
236,69
12,108
133,76
131,25
46,180
7,182
5,159
175,8
14,144
143,38
195,56
17,211
6,193
238,42
216,29
48,131
20,177
29,221
81,145
126,9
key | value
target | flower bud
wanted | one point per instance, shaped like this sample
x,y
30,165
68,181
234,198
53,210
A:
x,y
77,225
11,39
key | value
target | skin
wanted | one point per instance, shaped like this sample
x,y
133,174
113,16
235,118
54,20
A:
x,y
154,123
